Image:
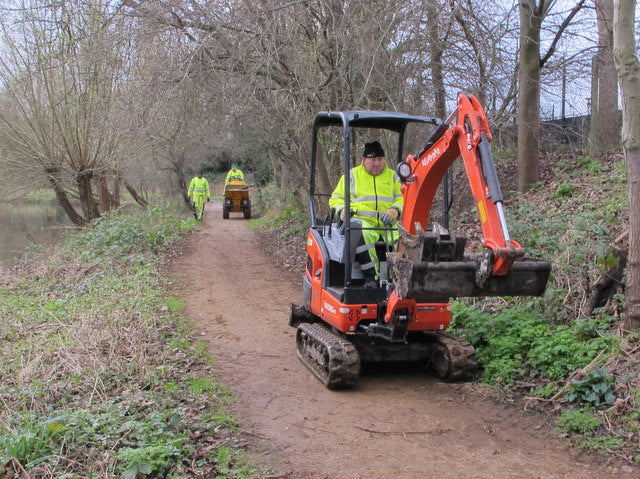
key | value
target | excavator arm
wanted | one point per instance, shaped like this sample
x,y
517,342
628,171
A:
x,y
431,266
467,137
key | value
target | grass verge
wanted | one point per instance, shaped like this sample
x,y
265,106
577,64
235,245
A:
x,y
99,373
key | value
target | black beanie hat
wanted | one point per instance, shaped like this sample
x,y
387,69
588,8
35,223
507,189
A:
x,y
373,150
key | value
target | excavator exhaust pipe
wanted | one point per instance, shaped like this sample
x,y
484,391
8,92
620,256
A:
x,y
438,281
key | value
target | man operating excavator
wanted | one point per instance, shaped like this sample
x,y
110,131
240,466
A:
x,y
376,200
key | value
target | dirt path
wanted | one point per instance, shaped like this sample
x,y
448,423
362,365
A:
x,y
394,424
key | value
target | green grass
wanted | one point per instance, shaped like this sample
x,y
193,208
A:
x,y
582,422
100,374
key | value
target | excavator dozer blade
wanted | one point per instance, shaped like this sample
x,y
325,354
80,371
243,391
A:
x,y
435,281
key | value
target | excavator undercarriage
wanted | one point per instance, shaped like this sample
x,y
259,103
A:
x,y
335,359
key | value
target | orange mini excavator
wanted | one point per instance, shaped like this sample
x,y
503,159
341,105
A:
x,y
341,323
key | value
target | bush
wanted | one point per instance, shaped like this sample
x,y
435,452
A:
x,y
518,342
577,421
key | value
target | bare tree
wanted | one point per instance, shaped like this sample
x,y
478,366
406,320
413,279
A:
x,y
65,116
628,68
605,124
276,63
532,15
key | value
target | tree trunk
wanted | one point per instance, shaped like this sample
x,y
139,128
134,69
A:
x,y
139,199
628,68
529,96
604,133
177,162
435,64
632,301
61,196
115,197
105,196
609,283
85,193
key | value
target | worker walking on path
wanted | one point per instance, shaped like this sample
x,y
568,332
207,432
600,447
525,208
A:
x,y
376,199
199,192
234,174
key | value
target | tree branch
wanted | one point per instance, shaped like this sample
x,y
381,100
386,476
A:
x,y
563,27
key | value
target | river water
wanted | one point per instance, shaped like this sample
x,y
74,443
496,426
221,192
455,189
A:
x,y
24,223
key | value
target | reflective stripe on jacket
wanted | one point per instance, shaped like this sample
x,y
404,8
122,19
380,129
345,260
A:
x,y
199,187
370,195
234,175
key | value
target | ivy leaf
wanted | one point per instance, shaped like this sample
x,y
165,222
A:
x,y
592,397
131,473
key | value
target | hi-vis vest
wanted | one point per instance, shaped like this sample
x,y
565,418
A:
x,y
370,195
234,175
199,187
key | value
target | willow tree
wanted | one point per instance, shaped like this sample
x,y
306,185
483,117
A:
x,y
65,118
628,68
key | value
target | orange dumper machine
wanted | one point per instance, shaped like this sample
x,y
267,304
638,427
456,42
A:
x,y
236,199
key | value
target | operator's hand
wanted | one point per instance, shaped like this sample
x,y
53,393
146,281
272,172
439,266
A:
x,y
390,216
342,214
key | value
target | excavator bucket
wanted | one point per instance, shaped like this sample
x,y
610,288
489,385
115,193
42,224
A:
x,y
432,267
437,281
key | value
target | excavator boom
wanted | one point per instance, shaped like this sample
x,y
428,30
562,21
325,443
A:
x,y
432,266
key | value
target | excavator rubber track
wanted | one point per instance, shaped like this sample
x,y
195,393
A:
x,y
452,359
333,359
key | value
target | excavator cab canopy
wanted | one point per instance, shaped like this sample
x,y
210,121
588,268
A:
x,y
395,122
363,119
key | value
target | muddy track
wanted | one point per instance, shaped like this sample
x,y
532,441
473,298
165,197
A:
x,y
396,423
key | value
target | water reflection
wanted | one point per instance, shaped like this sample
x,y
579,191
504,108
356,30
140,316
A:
x,y
27,222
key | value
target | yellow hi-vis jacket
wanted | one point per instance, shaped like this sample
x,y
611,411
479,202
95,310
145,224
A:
x,y
234,175
199,187
371,195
